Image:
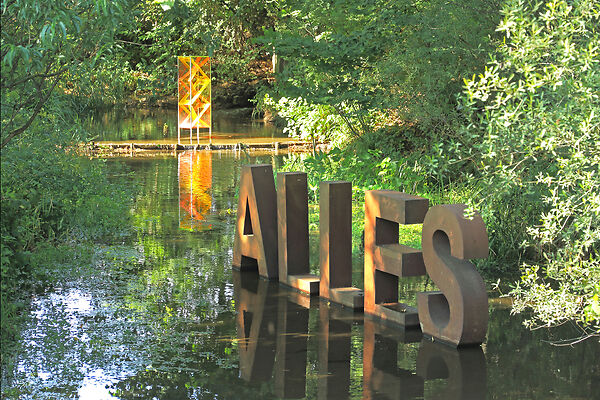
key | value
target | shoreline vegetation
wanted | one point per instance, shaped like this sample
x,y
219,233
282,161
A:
x,y
492,104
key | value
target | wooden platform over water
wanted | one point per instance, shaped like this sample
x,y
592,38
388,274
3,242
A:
x,y
249,144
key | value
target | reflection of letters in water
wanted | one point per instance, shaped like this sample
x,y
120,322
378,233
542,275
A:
x,y
463,369
335,351
273,330
292,343
255,306
195,181
382,378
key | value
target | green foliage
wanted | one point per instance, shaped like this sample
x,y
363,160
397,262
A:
x,y
533,140
312,122
163,30
50,198
403,59
100,88
46,46
370,169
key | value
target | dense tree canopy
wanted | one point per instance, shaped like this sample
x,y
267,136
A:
x,y
404,58
46,44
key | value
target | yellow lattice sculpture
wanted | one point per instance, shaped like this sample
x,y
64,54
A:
x,y
194,111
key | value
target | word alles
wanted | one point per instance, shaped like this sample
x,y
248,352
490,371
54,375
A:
x,y
272,236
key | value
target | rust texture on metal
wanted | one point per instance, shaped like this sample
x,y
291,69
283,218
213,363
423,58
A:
x,y
458,314
464,370
255,243
382,378
385,259
335,224
291,348
292,232
255,304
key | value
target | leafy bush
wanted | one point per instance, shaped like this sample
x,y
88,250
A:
x,y
312,122
46,48
534,142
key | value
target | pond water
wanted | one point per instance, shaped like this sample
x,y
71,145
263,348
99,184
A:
x,y
160,125
166,317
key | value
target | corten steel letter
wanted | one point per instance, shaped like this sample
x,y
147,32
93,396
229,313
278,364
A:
x,y
381,376
335,224
255,241
385,258
457,315
255,306
464,369
292,232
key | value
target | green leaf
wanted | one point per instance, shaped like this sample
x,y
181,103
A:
x,y
63,29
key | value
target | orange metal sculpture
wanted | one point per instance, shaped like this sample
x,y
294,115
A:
x,y
194,109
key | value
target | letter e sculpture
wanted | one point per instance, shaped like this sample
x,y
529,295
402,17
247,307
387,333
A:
x,y
385,259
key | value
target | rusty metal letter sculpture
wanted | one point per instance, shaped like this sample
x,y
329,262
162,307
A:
x,y
457,315
292,232
255,243
385,258
335,225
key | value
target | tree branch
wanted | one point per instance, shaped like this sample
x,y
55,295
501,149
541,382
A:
x,y
35,112
27,78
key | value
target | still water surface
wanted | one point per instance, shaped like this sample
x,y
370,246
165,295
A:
x,y
160,125
166,317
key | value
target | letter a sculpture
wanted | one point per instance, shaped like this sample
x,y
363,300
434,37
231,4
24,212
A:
x,y
194,104
255,243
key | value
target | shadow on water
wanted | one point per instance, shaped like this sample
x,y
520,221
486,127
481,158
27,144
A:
x,y
166,317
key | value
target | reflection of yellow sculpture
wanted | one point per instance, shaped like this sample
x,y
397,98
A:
x,y
194,108
195,181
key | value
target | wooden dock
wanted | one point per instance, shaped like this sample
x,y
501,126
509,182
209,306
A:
x,y
124,148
